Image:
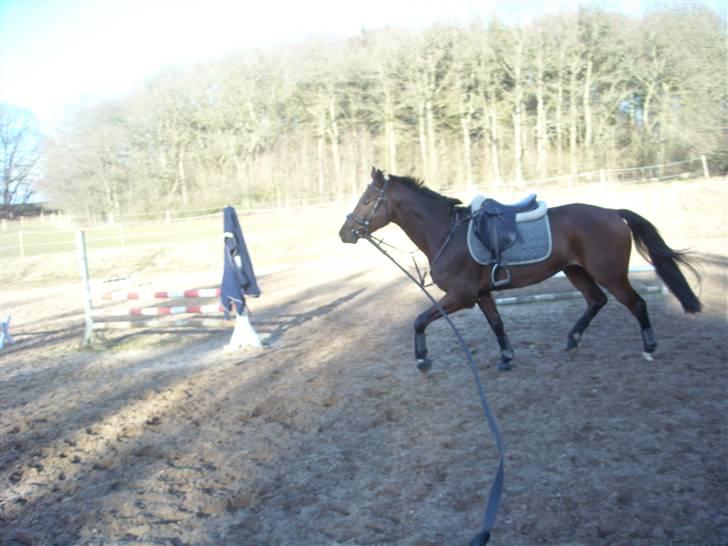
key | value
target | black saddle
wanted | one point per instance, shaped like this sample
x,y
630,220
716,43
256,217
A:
x,y
495,225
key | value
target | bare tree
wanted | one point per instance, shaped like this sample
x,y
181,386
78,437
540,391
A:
x,y
578,90
20,145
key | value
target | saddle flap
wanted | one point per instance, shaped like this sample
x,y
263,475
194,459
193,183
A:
x,y
496,224
496,231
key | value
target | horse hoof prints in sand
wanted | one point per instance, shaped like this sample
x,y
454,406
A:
x,y
590,244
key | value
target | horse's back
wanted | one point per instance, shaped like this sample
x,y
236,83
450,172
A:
x,y
589,235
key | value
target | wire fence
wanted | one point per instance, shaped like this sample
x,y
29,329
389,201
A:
x,y
24,238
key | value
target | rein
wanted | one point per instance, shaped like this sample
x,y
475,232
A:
x,y
456,223
496,489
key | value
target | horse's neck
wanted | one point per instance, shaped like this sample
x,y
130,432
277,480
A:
x,y
426,223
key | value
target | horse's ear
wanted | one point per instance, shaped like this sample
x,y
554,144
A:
x,y
377,175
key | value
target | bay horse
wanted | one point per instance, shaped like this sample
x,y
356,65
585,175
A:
x,y
590,244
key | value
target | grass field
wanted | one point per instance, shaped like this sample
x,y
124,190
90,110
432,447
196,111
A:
x,y
37,237
49,252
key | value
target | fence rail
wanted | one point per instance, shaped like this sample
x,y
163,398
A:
x,y
166,226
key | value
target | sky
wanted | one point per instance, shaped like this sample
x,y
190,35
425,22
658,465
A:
x,y
59,55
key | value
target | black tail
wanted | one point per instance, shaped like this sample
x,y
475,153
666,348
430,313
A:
x,y
653,248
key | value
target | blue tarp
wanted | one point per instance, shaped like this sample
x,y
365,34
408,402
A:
x,y
238,279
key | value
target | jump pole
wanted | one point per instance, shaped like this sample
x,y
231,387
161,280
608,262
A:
x,y
575,294
162,294
158,317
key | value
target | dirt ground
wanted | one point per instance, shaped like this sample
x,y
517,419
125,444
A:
x,y
331,436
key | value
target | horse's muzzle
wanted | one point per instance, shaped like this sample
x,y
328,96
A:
x,y
348,233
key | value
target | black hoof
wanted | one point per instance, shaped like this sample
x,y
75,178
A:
x,y
481,539
572,342
424,364
648,340
503,366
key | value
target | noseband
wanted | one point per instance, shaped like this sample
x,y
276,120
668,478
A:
x,y
363,230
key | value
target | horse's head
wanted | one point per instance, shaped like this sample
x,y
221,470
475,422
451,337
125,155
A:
x,y
370,213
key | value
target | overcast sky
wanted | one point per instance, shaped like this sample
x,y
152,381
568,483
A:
x,y
56,55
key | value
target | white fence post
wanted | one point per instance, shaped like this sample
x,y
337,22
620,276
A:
x,y
706,172
20,242
85,288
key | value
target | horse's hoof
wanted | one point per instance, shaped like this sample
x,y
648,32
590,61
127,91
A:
x,y
424,364
503,366
648,356
572,342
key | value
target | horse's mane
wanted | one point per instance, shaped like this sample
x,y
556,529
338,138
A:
x,y
419,186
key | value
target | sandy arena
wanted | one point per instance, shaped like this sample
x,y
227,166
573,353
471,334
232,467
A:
x,y
331,436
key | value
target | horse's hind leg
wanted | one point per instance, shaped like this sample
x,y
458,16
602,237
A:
x,y
623,291
595,300
487,306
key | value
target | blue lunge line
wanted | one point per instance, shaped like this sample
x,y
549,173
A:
x,y
496,489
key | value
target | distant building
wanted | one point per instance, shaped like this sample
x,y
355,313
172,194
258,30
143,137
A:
x,y
27,210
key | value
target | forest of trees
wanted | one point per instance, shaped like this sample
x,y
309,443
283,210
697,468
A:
x,y
483,103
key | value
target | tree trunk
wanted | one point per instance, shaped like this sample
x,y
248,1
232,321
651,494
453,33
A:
x,y
467,147
559,125
517,112
390,134
334,136
493,139
431,139
646,108
240,172
182,176
517,145
423,139
587,111
466,115
572,117
305,169
320,151
559,112
541,135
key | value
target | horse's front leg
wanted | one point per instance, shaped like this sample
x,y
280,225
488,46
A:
x,y
449,303
487,305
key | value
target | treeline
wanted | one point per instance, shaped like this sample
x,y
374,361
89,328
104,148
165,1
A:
x,y
483,103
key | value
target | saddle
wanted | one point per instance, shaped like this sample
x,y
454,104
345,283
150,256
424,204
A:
x,y
496,226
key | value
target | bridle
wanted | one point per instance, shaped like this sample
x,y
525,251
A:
x,y
364,223
363,230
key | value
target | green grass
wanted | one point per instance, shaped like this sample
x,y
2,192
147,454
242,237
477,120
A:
x,y
35,238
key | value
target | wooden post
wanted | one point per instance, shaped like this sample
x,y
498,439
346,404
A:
x,y
85,288
706,172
